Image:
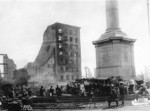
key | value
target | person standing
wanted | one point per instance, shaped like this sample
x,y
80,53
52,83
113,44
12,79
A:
x,y
58,91
51,91
122,92
29,91
42,91
113,97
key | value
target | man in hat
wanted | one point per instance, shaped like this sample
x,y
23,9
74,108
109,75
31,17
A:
x,y
122,92
113,97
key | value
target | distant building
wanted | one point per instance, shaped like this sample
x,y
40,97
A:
x,y
147,73
0,74
60,51
9,67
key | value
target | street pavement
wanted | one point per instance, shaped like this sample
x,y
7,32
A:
x,y
103,106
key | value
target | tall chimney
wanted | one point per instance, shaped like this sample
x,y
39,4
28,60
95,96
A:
x,y
112,15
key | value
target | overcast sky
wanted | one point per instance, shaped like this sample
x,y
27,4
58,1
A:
x,y
23,22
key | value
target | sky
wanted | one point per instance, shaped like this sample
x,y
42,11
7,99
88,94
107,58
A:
x,y
23,22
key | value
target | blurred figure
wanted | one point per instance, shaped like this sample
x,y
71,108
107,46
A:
x,y
92,92
51,91
141,92
113,97
29,91
82,88
58,91
122,92
42,91
68,88
25,93
13,93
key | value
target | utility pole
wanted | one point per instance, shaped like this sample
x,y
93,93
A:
x,y
86,72
148,18
148,24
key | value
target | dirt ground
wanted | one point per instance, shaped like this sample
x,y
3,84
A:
x,y
103,106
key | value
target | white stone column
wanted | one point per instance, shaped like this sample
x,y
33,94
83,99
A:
x,y
112,15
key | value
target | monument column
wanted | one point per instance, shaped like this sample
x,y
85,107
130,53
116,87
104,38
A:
x,y
112,16
114,50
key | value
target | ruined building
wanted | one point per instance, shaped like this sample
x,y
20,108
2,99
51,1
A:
x,y
60,53
9,67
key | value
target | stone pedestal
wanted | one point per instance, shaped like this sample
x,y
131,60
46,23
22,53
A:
x,y
115,57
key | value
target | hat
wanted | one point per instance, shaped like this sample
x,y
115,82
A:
x,y
112,85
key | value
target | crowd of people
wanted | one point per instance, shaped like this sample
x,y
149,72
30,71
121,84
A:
x,y
50,93
86,89
112,91
26,92
92,88
15,93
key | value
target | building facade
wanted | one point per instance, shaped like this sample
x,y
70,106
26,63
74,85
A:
x,y
68,52
60,51
9,68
